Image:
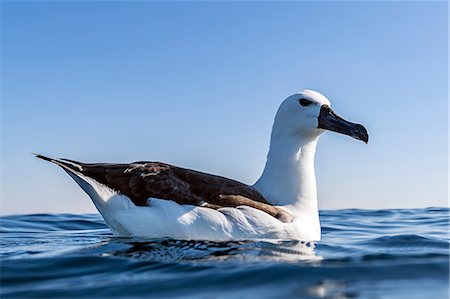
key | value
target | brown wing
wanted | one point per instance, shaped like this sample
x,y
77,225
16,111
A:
x,y
143,180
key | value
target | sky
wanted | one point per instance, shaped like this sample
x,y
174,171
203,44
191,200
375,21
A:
x,y
197,84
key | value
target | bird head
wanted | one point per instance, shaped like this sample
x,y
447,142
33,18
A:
x,y
308,114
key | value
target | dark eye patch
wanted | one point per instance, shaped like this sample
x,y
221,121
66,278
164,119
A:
x,y
305,102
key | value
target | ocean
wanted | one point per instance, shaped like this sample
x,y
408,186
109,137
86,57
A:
x,y
397,253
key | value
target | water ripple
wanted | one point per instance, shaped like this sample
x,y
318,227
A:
x,y
364,254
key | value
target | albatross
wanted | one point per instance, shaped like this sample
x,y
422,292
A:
x,y
159,200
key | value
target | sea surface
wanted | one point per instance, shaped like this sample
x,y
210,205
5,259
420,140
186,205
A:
x,y
363,254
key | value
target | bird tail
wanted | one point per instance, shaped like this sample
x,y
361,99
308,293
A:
x,y
68,165
75,170
103,197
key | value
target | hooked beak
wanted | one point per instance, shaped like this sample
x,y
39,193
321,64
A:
x,y
328,120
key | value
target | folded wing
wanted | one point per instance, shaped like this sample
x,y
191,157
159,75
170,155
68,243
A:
x,y
141,181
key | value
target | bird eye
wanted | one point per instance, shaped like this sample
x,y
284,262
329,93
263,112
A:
x,y
305,102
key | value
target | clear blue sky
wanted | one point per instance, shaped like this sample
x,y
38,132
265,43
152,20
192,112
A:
x,y
197,84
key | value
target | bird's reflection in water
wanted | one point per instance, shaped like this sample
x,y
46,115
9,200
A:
x,y
168,250
330,289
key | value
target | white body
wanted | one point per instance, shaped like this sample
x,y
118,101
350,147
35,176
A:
x,y
288,181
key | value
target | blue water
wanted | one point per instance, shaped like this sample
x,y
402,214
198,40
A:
x,y
363,254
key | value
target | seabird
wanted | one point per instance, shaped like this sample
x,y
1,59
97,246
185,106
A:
x,y
159,200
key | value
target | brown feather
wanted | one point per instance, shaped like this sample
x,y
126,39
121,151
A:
x,y
143,180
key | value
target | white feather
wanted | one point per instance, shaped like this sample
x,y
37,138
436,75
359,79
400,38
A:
x,y
287,180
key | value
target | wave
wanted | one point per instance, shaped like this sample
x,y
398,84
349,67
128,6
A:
x,y
368,254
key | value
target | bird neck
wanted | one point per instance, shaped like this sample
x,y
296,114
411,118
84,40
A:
x,y
288,178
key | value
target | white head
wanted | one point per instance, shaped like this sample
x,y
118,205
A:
x,y
307,114
288,178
